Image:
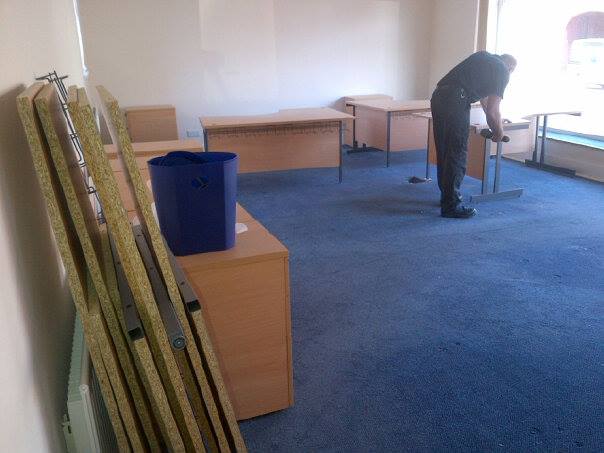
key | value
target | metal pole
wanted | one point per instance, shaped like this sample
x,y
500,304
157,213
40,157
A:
x,y
354,127
497,167
389,116
162,299
543,137
536,139
205,140
340,150
428,150
485,169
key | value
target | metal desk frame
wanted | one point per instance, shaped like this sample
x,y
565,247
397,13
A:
x,y
540,164
496,194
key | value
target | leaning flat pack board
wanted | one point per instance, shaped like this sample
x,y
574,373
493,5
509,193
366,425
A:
x,y
77,196
213,390
71,254
143,356
136,274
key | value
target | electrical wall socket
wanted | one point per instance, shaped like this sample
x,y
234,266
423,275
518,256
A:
x,y
193,133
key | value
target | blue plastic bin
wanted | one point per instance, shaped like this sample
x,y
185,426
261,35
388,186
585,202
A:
x,y
195,197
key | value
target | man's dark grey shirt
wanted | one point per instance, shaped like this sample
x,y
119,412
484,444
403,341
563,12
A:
x,y
482,74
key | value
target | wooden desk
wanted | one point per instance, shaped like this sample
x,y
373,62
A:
x,y
244,292
389,125
479,152
350,125
288,139
545,113
144,152
151,123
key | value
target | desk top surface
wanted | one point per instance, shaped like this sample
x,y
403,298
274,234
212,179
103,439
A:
x,y
254,245
552,111
515,123
312,115
152,148
144,108
391,105
365,97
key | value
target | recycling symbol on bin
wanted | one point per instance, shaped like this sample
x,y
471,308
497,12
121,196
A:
x,y
200,182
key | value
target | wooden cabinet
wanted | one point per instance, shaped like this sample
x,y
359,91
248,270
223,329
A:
x,y
151,123
244,292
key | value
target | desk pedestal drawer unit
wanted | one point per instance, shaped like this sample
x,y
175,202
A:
x,y
151,123
244,292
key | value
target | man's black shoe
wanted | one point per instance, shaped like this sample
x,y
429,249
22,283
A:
x,y
460,212
443,202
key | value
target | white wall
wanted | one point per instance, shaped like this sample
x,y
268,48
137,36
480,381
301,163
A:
x,y
254,56
416,36
36,313
453,35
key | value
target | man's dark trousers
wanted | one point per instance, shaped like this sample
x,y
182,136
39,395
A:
x,y
451,122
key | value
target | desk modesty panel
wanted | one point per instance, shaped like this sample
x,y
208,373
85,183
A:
x,y
288,139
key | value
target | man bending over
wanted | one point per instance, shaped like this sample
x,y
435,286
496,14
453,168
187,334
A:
x,y
482,76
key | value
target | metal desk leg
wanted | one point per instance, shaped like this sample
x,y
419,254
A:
x,y
543,138
541,163
485,170
495,195
428,159
416,179
388,121
205,140
340,150
497,168
535,149
355,145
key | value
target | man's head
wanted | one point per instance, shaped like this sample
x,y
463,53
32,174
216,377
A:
x,y
509,61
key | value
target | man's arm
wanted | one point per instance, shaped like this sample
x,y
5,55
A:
x,y
494,116
484,103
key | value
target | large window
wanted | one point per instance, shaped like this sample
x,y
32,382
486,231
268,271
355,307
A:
x,y
560,50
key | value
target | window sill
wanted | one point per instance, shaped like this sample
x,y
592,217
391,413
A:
x,y
589,141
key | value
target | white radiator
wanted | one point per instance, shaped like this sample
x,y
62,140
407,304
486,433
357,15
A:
x,y
86,425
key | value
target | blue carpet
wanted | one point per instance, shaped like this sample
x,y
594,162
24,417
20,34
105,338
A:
x,y
416,333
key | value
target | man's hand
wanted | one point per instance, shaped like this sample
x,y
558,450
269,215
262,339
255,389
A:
x,y
494,117
497,136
